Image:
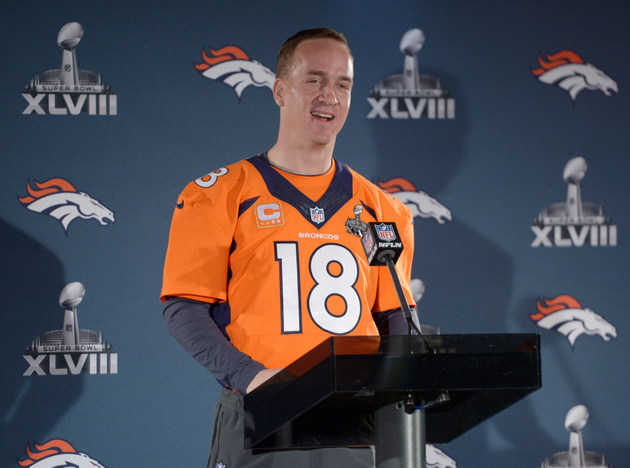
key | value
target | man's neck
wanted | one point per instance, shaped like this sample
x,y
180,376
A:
x,y
304,161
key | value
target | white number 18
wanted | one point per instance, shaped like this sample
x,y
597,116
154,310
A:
x,y
327,285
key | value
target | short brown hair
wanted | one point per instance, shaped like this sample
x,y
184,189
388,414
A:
x,y
285,55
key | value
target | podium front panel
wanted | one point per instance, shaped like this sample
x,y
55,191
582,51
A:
x,y
328,397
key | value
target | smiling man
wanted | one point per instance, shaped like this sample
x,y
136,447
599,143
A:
x,y
314,99
262,264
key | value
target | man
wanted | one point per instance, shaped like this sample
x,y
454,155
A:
x,y
261,266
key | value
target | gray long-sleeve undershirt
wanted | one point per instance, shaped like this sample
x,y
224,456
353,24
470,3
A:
x,y
192,325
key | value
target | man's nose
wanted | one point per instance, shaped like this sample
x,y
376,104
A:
x,y
328,96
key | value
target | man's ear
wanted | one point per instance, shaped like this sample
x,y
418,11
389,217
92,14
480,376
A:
x,y
278,92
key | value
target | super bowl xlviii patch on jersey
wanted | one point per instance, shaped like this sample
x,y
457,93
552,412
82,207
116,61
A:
x,y
317,215
221,465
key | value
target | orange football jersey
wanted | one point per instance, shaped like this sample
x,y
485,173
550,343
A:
x,y
283,267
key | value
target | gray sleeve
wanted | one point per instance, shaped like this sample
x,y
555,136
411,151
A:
x,y
392,322
191,324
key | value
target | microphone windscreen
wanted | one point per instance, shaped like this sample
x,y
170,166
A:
x,y
381,242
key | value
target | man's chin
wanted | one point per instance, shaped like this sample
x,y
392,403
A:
x,y
324,136
324,140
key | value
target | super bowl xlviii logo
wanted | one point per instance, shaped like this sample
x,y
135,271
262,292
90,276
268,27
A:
x,y
70,350
69,90
567,316
57,453
232,66
576,456
411,95
58,198
567,70
574,223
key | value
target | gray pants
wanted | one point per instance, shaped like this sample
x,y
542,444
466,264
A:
x,y
227,448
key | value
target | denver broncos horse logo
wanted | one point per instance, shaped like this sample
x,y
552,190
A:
x,y
233,67
567,70
58,198
435,458
566,315
57,453
419,203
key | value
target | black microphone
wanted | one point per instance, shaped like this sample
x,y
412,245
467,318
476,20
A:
x,y
383,246
381,242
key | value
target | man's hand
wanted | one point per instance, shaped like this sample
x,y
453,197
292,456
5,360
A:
x,y
261,378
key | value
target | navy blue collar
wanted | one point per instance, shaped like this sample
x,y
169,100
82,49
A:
x,y
338,193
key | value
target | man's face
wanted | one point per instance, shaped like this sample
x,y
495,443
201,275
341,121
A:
x,y
315,97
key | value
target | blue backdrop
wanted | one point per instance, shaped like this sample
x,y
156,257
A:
x,y
489,166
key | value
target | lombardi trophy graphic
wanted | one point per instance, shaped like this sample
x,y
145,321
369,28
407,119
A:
x,y
68,38
576,456
70,350
573,211
574,222
410,44
411,83
70,297
574,423
574,172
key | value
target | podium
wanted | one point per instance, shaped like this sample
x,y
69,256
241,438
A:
x,y
394,392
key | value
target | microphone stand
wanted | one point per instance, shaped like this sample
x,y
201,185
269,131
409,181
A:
x,y
400,427
401,298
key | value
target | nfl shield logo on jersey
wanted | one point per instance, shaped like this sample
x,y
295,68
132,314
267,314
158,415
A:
x,y
317,215
385,232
